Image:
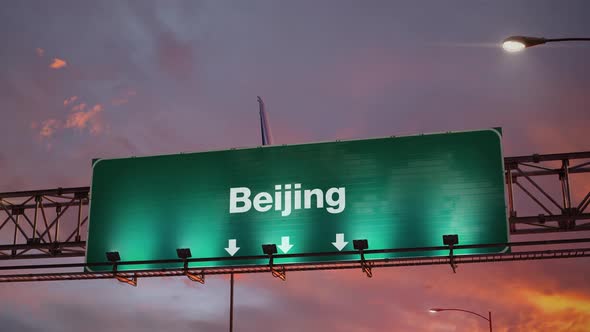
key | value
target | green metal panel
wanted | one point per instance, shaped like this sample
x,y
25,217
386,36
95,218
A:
x,y
398,192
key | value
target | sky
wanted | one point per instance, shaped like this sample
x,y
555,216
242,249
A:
x,y
106,79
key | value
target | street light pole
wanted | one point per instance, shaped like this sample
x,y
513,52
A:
x,y
489,318
519,43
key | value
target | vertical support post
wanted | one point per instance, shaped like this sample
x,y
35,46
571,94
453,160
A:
x,y
37,201
512,213
231,302
490,319
15,234
566,193
57,212
564,177
566,174
79,219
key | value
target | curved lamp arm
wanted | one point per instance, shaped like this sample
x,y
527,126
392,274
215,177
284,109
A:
x,y
455,309
518,43
489,320
566,39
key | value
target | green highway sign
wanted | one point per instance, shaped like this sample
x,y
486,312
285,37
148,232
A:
x,y
396,192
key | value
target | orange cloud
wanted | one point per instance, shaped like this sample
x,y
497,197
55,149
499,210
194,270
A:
x,y
58,63
49,127
555,312
70,100
82,120
522,296
554,303
39,51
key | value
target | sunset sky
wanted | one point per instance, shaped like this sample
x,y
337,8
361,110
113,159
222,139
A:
x,y
104,79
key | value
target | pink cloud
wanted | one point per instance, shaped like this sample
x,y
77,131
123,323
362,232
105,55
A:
x,y
548,138
97,127
49,127
119,101
70,100
175,57
124,98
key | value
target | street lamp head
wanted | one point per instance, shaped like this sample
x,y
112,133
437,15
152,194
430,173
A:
x,y
512,46
519,43
434,310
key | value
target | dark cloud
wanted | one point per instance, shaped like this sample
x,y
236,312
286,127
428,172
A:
x,y
176,58
9,323
84,317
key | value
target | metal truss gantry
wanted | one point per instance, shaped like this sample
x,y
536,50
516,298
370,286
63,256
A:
x,y
43,223
537,177
53,223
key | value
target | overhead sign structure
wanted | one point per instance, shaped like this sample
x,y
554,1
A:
x,y
395,192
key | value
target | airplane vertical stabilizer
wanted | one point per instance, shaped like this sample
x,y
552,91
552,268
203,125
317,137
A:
x,y
264,124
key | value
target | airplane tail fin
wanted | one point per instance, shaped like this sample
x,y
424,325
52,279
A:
x,y
264,124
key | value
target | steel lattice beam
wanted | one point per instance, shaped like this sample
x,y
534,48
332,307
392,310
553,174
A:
x,y
555,214
43,223
453,261
485,258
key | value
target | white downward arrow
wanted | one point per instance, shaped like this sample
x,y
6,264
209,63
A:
x,y
231,247
285,246
339,244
